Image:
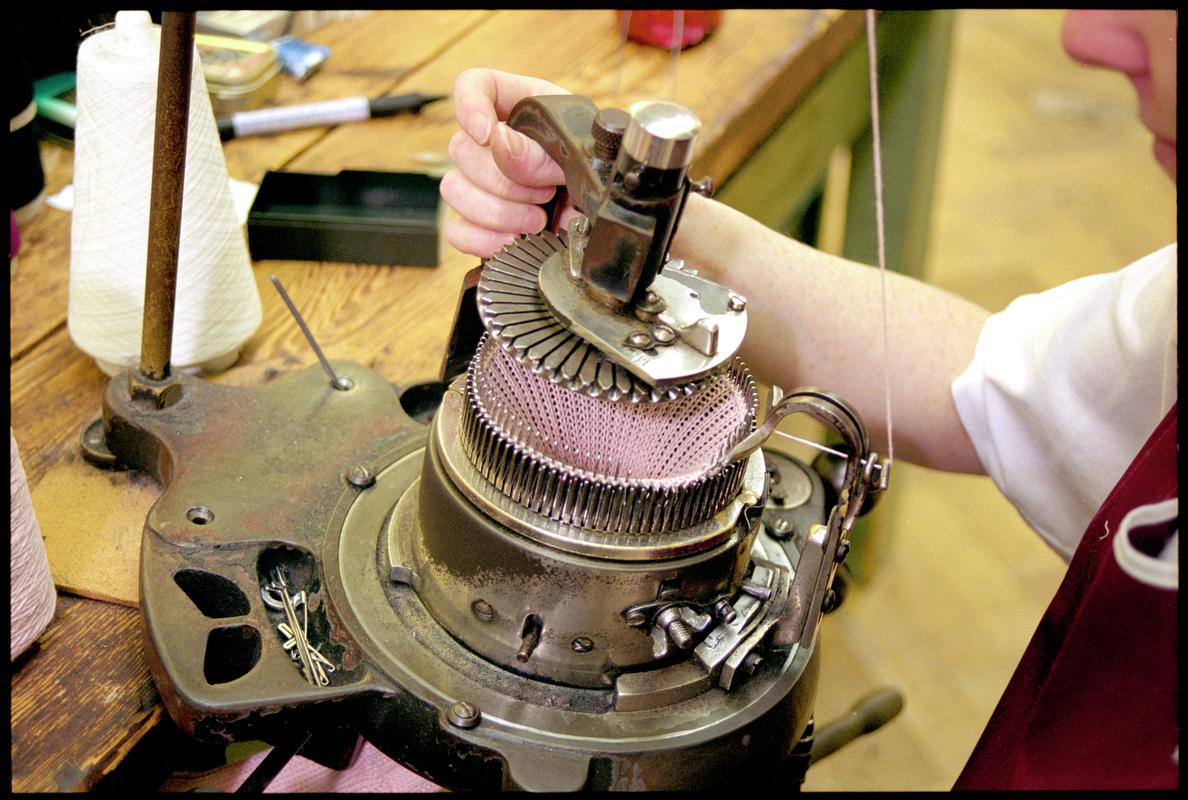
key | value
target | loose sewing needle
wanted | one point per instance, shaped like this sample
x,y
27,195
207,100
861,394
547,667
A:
x,y
342,383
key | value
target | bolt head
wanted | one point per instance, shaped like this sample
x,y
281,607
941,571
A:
x,y
663,334
583,644
640,340
464,715
483,610
636,619
360,477
830,602
725,611
736,302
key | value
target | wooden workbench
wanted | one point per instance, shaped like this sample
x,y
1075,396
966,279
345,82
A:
x,y
83,705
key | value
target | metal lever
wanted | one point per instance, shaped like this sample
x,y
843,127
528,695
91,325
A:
x,y
632,203
826,545
866,716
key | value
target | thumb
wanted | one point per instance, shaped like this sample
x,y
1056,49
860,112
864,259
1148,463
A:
x,y
524,160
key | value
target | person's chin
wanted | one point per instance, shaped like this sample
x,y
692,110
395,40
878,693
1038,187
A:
x,y
1165,154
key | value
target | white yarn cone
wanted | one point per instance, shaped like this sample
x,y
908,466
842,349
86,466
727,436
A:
x,y
217,304
33,596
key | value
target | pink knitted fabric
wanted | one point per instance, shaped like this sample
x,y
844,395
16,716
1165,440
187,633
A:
x,y
371,772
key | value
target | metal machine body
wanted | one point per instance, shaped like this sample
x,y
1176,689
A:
x,y
485,612
417,596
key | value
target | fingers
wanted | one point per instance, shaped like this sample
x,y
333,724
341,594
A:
x,y
568,212
482,97
476,163
470,238
523,160
501,176
484,209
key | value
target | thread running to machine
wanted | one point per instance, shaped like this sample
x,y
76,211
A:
x,y
880,230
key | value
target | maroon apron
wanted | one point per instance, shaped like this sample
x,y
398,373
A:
x,y
1094,702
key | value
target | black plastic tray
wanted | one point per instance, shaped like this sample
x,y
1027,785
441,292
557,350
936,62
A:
x,y
355,216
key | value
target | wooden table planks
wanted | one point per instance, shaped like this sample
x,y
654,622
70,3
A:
x,y
81,699
84,699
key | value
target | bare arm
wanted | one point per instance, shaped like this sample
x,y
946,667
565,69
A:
x,y
815,319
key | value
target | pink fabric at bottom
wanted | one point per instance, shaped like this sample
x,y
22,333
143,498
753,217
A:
x,y
371,772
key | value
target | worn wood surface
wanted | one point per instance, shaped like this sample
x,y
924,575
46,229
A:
x,y
85,698
81,699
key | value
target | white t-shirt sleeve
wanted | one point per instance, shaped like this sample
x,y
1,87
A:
x,y
1066,385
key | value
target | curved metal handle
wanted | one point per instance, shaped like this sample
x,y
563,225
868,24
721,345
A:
x,y
831,410
826,545
632,206
562,125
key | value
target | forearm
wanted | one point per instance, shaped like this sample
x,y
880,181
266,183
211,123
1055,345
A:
x,y
815,319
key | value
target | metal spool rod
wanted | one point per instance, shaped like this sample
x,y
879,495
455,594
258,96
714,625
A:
x,y
169,169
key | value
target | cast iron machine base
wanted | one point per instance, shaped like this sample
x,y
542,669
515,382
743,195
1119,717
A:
x,y
327,485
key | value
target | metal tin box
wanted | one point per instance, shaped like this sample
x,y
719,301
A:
x,y
241,75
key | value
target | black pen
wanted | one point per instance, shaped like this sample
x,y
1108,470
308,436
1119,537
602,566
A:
x,y
326,112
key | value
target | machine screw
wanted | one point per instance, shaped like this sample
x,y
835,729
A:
x,y
583,644
736,302
830,602
640,340
607,131
663,334
652,303
636,618
725,611
482,609
676,628
360,477
781,527
464,715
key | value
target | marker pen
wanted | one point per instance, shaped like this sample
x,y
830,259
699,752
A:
x,y
325,112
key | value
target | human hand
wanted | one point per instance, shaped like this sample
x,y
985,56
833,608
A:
x,y
500,176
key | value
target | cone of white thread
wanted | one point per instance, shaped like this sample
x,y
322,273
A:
x,y
33,596
217,306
